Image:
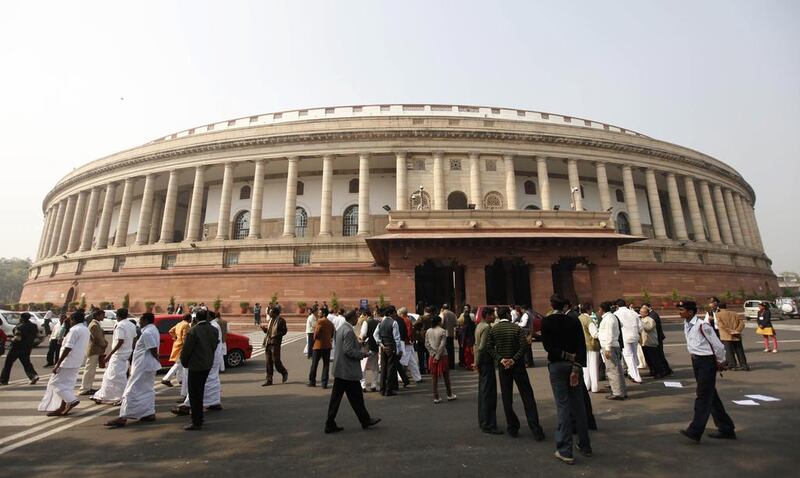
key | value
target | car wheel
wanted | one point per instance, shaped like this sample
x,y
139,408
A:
x,y
235,358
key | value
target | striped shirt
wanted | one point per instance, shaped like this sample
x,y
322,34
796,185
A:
x,y
506,340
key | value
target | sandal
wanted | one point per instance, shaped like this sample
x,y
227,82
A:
x,y
116,423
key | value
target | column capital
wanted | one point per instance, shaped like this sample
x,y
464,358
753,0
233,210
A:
x,y
364,155
438,154
473,154
508,156
293,159
401,154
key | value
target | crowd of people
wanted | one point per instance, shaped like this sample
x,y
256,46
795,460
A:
x,y
376,350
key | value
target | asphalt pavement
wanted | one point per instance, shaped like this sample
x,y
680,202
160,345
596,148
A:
x,y
279,429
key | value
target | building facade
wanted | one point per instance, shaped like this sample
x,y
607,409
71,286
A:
x,y
307,203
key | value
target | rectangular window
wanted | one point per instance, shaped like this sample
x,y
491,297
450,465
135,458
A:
x,y
79,268
230,258
419,164
119,264
455,165
302,257
491,165
168,261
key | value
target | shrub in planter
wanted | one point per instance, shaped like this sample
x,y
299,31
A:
x,y
274,299
104,305
48,305
675,296
245,306
301,306
126,301
149,305
217,304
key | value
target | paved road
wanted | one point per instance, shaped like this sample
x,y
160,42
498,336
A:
x,y
279,429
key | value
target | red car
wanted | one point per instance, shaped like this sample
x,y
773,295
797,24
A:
x,y
537,320
239,348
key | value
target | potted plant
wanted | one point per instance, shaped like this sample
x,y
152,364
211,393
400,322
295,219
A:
x,y
381,300
104,305
741,296
301,306
645,297
126,301
245,306
172,303
334,302
274,299
217,304
48,305
675,295
149,306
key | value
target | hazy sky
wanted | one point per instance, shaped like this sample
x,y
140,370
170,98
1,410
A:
x,y
721,77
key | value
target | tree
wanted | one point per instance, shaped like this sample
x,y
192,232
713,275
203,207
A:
x,y
13,274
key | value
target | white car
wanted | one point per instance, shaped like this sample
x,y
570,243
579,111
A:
x,y
110,321
10,319
751,310
788,305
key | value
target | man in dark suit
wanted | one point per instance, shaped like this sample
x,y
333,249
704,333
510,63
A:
x,y
275,329
21,345
198,358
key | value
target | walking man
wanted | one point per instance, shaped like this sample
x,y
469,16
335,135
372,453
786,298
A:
x,y
257,314
197,356
449,322
487,379
610,339
730,332
631,333
370,362
139,398
347,375
178,333
59,397
95,354
565,344
708,356
274,329
21,345
55,341
387,334
115,378
323,342
506,345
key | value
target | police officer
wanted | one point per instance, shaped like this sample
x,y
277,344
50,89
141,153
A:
x,y
708,356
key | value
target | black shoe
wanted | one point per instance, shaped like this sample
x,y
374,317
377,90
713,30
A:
x,y
614,397
492,431
325,386
267,383
167,383
215,408
192,427
371,423
285,377
513,433
538,434
746,368
587,452
311,384
181,410
333,429
390,394
722,436
690,436
88,393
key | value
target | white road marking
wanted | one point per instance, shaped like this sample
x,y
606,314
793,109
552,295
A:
x,y
13,406
24,421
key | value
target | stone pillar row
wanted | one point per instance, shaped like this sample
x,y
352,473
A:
x,y
70,224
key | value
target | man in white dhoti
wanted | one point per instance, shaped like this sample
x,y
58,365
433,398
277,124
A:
x,y
213,389
59,397
409,358
115,377
631,333
366,335
139,398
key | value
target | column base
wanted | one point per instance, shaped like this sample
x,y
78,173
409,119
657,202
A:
x,y
325,234
362,234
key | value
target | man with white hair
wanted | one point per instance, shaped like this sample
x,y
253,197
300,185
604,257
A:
x,y
409,358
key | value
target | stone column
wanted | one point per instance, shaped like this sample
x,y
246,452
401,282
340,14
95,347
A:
x,y
708,210
105,216
363,195
257,201
55,240
66,226
475,194
326,201
91,220
511,187
655,205
155,220
574,183
743,222
544,182
756,233
630,199
196,205
722,215
121,238
224,221
678,222
401,182
602,186
438,182
146,210
43,237
170,205
694,210
290,204
736,228
77,222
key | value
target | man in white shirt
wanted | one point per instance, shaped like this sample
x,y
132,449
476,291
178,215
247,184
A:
x,y
59,397
139,398
631,332
608,335
708,354
337,318
711,315
311,323
115,378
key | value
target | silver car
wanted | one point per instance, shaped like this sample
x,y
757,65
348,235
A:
x,y
751,309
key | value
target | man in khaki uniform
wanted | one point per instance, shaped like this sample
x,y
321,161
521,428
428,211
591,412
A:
x,y
96,350
730,332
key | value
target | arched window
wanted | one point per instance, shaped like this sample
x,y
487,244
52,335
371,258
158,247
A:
x,y
350,221
300,222
530,188
300,188
620,196
241,225
623,224
493,200
353,188
457,200
244,193
532,207
583,195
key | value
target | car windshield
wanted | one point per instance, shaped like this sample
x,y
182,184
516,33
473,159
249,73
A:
x,y
11,317
751,303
